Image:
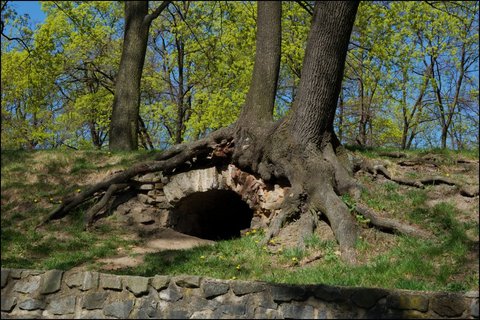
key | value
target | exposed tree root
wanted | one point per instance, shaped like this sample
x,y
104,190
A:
x,y
393,154
95,209
435,180
391,225
167,162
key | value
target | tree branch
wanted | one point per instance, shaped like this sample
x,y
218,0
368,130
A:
x,y
305,5
152,16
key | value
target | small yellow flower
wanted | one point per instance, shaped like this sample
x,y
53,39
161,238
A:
x,y
233,278
254,231
280,250
59,201
256,241
238,267
51,199
448,175
294,259
35,200
247,233
202,257
271,241
78,190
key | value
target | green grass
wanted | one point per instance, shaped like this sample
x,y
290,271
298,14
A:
x,y
406,263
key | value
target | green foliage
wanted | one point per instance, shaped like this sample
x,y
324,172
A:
x,y
60,93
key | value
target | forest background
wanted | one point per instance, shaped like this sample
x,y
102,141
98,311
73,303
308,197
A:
x,y
411,78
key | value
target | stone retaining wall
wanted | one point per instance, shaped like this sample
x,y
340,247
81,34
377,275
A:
x,y
59,294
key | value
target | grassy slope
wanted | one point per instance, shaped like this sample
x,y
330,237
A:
x,y
33,182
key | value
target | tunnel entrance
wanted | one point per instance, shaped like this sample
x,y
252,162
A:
x,y
213,215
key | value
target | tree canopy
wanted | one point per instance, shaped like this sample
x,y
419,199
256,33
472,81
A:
x,y
411,77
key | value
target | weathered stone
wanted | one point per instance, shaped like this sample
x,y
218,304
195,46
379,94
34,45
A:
x,y
90,281
144,218
27,285
26,273
409,314
163,205
327,293
4,279
262,299
160,199
164,218
62,305
92,314
16,273
471,294
474,308
32,304
119,309
375,312
244,287
194,301
152,193
94,300
214,288
408,301
143,198
183,184
158,185
150,177
51,281
367,297
110,282
74,279
160,282
172,293
272,200
204,314
137,285
265,313
146,186
448,305
173,312
288,292
8,303
295,311
188,281
148,310
233,309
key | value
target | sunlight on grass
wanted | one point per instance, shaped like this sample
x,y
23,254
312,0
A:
x,y
29,192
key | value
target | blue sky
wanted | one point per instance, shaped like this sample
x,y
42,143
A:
x,y
30,7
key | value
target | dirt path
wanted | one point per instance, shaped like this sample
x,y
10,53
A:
x,y
161,240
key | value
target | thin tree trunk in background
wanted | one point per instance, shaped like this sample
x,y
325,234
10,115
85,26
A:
x,y
126,103
260,99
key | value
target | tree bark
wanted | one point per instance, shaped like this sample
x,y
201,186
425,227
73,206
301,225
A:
x,y
323,66
260,99
126,103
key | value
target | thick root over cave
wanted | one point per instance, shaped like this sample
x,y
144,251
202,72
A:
x,y
318,178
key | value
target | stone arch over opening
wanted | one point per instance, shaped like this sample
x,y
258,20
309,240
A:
x,y
212,214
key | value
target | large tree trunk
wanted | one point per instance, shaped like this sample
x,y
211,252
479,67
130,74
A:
x,y
126,103
302,147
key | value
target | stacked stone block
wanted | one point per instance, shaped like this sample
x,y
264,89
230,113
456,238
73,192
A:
x,y
87,295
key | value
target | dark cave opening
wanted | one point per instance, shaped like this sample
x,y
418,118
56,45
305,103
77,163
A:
x,y
213,215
